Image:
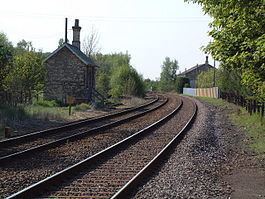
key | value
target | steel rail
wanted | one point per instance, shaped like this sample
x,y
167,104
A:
x,y
42,185
70,126
77,136
132,185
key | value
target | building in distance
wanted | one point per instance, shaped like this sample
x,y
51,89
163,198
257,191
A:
x,y
70,72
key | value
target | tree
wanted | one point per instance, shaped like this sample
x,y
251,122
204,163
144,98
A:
x,y
6,56
90,43
60,42
238,33
26,76
23,46
107,65
126,81
168,74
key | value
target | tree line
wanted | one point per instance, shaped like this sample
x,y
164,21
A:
x,y
22,73
237,30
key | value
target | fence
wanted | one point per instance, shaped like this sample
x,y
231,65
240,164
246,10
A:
x,y
202,92
251,105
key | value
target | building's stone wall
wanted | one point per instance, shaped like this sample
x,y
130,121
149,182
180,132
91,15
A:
x,y
67,76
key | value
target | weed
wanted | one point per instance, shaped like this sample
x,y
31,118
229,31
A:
x,y
251,123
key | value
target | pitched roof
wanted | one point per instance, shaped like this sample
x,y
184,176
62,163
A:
x,y
195,68
78,53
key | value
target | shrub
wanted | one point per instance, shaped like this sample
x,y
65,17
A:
x,y
46,103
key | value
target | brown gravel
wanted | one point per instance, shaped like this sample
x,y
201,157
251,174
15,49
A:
x,y
22,173
210,162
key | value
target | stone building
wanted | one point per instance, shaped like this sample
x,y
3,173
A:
x,y
193,72
69,72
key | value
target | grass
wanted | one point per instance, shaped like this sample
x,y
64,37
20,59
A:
x,y
254,126
43,110
82,107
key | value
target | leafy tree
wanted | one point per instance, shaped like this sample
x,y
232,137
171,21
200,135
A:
x,y
107,64
27,74
6,55
206,78
23,46
182,82
238,33
126,81
168,74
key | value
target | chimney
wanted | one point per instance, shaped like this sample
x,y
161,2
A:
x,y
76,34
206,61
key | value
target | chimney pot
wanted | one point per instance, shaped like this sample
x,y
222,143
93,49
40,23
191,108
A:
x,y
76,34
206,61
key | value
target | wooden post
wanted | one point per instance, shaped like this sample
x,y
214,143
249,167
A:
x,y
70,109
7,132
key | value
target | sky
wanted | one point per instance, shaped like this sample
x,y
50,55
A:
x,y
149,30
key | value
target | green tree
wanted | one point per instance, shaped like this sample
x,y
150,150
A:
x,y
126,81
169,74
238,32
23,46
6,56
107,64
27,75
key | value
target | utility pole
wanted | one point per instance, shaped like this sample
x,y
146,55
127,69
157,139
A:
x,y
65,36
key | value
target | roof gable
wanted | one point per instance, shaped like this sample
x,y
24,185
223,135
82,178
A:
x,y
195,68
78,53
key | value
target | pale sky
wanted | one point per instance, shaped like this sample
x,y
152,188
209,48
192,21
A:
x,y
149,30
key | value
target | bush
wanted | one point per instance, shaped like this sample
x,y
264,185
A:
x,y
82,107
46,103
126,81
182,82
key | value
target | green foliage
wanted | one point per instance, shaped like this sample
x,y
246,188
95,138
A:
x,y
27,73
82,107
206,79
46,103
181,82
238,33
240,117
6,55
126,81
168,74
226,80
117,77
24,46
151,85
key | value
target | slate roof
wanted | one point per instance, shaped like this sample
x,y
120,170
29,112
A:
x,y
195,68
78,53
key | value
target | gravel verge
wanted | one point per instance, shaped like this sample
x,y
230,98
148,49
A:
x,y
212,149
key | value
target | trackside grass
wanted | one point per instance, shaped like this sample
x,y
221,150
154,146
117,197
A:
x,y
252,124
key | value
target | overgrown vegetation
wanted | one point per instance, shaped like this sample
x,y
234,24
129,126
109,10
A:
x,y
238,42
250,123
22,72
116,77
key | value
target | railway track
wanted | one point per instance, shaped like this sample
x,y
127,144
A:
x,y
23,145
21,172
117,170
